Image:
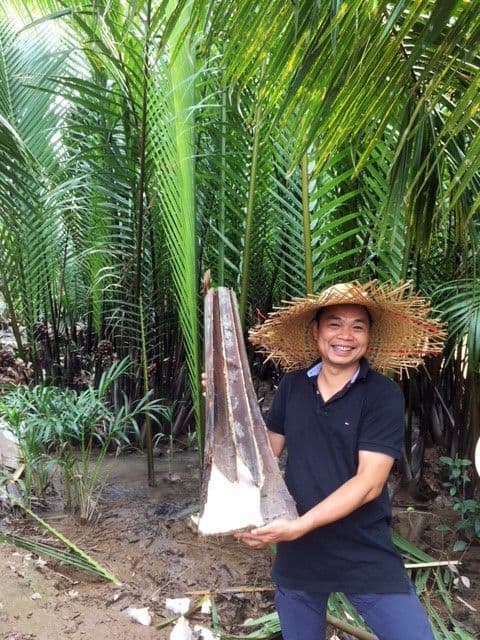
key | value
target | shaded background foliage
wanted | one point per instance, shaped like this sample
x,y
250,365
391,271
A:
x,y
282,145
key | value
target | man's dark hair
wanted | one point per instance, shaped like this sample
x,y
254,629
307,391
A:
x,y
322,310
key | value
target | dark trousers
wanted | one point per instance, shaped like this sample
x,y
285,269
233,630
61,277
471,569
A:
x,y
391,616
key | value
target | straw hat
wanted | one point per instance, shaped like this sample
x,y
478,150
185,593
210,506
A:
x,y
403,331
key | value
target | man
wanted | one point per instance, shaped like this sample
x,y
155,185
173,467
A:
x,y
342,424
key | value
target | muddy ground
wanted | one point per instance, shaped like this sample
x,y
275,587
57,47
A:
x,y
142,535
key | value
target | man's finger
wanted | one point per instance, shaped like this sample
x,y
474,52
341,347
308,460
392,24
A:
x,y
246,536
261,530
255,544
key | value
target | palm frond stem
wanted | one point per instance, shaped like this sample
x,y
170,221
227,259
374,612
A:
x,y
148,423
244,282
307,240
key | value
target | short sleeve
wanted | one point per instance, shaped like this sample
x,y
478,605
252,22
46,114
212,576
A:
x,y
275,418
383,423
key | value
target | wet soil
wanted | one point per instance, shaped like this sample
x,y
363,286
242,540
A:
x,y
143,536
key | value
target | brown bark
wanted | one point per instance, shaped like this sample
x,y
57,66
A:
x,y
236,442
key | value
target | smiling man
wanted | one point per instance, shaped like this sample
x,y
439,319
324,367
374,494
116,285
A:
x,y
342,424
341,333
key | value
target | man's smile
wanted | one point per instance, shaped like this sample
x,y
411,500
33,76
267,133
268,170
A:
x,y
342,349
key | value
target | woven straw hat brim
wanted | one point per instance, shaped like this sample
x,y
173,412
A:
x,y
403,331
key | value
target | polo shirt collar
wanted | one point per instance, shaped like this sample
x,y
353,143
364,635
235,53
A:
x,y
360,373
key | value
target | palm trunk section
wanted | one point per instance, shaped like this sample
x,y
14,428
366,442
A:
x,y
242,484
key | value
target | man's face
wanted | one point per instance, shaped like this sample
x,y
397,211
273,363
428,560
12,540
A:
x,y
342,334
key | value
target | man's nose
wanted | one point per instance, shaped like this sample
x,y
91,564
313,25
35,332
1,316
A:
x,y
346,332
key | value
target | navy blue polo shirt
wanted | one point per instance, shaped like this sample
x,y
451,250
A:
x,y
354,554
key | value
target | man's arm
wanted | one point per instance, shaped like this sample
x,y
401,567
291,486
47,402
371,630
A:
x,y
366,485
277,442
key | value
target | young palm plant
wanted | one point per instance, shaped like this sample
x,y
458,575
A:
x,y
74,431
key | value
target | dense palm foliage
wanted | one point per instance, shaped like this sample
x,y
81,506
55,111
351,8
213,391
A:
x,y
282,145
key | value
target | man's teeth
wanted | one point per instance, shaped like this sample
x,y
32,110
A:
x,y
340,348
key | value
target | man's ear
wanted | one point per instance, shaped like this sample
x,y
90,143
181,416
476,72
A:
x,y
315,329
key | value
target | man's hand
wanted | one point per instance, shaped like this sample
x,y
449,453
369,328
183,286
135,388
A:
x,y
279,530
366,485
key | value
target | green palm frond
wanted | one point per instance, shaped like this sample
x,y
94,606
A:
x,y
459,302
30,229
75,556
171,110
346,73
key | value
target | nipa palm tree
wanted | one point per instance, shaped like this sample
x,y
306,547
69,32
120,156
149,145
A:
x,y
282,145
